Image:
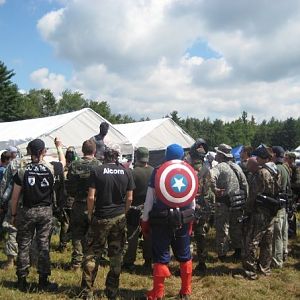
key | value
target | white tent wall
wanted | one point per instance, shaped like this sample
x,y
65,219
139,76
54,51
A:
x,y
72,128
155,134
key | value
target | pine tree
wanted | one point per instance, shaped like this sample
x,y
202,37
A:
x,y
10,98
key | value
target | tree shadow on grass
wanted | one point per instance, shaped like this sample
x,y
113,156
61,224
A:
x,y
220,270
71,291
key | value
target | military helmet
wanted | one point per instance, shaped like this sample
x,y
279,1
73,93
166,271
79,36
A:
x,y
195,152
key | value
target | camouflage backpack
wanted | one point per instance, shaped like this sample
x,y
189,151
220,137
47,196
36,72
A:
x,y
78,175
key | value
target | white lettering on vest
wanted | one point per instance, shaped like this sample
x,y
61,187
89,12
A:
x,y
113,171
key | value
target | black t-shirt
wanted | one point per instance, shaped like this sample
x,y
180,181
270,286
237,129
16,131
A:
x,y
37,182
111,182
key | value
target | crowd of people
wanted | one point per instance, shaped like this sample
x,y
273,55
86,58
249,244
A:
x,y
106,209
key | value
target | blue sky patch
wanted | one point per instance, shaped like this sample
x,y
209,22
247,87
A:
x,y
201,48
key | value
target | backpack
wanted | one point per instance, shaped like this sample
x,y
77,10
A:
x,y
78,175
297,178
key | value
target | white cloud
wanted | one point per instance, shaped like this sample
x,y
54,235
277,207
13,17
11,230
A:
x,y
44,79
2,2
133,55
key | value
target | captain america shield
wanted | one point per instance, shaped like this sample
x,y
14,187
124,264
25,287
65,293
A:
x,y
176,183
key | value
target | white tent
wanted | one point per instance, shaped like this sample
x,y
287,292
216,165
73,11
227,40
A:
x,y
155,134
72,128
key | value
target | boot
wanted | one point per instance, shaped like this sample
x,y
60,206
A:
x,y
9,264
160,272
46,285
22,284
237,255
186,269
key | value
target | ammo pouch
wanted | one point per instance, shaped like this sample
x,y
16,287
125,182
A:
x,y
133,216
158,217
270,203
173,218
238,200
188,215
223,199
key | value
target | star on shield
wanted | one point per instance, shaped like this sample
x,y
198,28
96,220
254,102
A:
x,y
179,183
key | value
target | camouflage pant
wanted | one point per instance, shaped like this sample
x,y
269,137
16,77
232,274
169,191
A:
x,y
133,239
228,230
112,231
259,235
201,230
36,220
79,229
65,228
280,237
11,245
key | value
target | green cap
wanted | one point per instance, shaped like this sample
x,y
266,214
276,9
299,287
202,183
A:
x,y
142,154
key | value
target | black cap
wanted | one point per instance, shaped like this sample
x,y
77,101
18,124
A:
x,y
263,152
279,151
36,147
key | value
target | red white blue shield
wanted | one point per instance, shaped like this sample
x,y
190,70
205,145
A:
x,y
176,183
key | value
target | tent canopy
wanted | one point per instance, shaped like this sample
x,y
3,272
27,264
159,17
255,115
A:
x,y
72,128
236,152
155,134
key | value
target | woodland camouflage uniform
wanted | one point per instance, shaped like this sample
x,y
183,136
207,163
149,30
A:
x,y
260,225
77,187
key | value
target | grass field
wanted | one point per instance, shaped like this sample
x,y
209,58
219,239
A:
x,y
218,283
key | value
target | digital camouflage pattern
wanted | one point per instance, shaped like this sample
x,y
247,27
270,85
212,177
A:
x,y
113,232
11,245
227,227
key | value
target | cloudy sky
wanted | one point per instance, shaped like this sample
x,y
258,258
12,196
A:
x,y
203,58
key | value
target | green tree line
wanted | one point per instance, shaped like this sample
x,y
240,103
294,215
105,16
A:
x,y
242,131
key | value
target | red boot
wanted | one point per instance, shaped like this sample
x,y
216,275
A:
x,y
160,272
186,269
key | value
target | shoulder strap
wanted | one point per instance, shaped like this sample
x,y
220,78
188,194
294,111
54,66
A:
x,y
274,175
